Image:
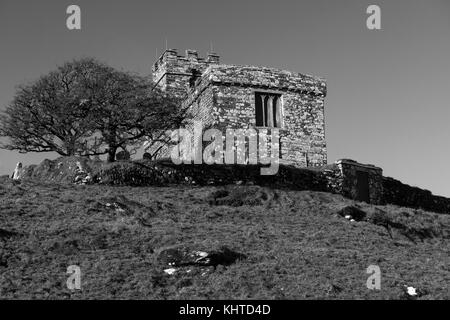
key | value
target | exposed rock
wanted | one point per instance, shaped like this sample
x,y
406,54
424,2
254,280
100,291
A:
x,y
18,171
179,257
223,257
79,167
411,293
81,175
121,204
352,213
62,170
170,271
120,208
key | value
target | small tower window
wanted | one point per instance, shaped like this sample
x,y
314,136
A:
x,y
195,74
268,110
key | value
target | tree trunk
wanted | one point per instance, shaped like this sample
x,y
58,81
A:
x,y
112,154
70,150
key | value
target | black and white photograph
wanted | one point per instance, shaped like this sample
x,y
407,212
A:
x,y
243,152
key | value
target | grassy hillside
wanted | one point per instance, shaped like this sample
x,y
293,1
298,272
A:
x,y
290,244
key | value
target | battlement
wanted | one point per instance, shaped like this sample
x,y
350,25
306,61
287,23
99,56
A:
x,y
175,73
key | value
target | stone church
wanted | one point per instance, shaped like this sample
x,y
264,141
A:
x,y
242,97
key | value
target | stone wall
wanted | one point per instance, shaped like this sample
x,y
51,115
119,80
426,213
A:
x,y
266,78
302,136
164,172
342,177
350,170
398,193
337,178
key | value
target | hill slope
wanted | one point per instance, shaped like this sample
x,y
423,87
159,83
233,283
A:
x,y
290,244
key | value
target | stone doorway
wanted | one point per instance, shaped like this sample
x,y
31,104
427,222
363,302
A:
x,y
362,186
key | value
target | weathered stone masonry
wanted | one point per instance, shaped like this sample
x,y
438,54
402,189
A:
x,y
365,182
224,97
174,73
355,180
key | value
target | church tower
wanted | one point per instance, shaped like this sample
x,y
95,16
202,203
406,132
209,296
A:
x,y
176,74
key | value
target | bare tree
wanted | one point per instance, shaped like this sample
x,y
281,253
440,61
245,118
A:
x,y
132,113
52,114
86,108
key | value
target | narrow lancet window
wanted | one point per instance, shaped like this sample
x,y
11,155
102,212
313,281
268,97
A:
x,y
268,110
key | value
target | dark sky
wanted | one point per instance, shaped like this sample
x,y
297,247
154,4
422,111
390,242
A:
x,y
388,90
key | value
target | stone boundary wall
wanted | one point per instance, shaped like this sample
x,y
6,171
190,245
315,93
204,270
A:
x,y
383,190
164,172
400,194
329,178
